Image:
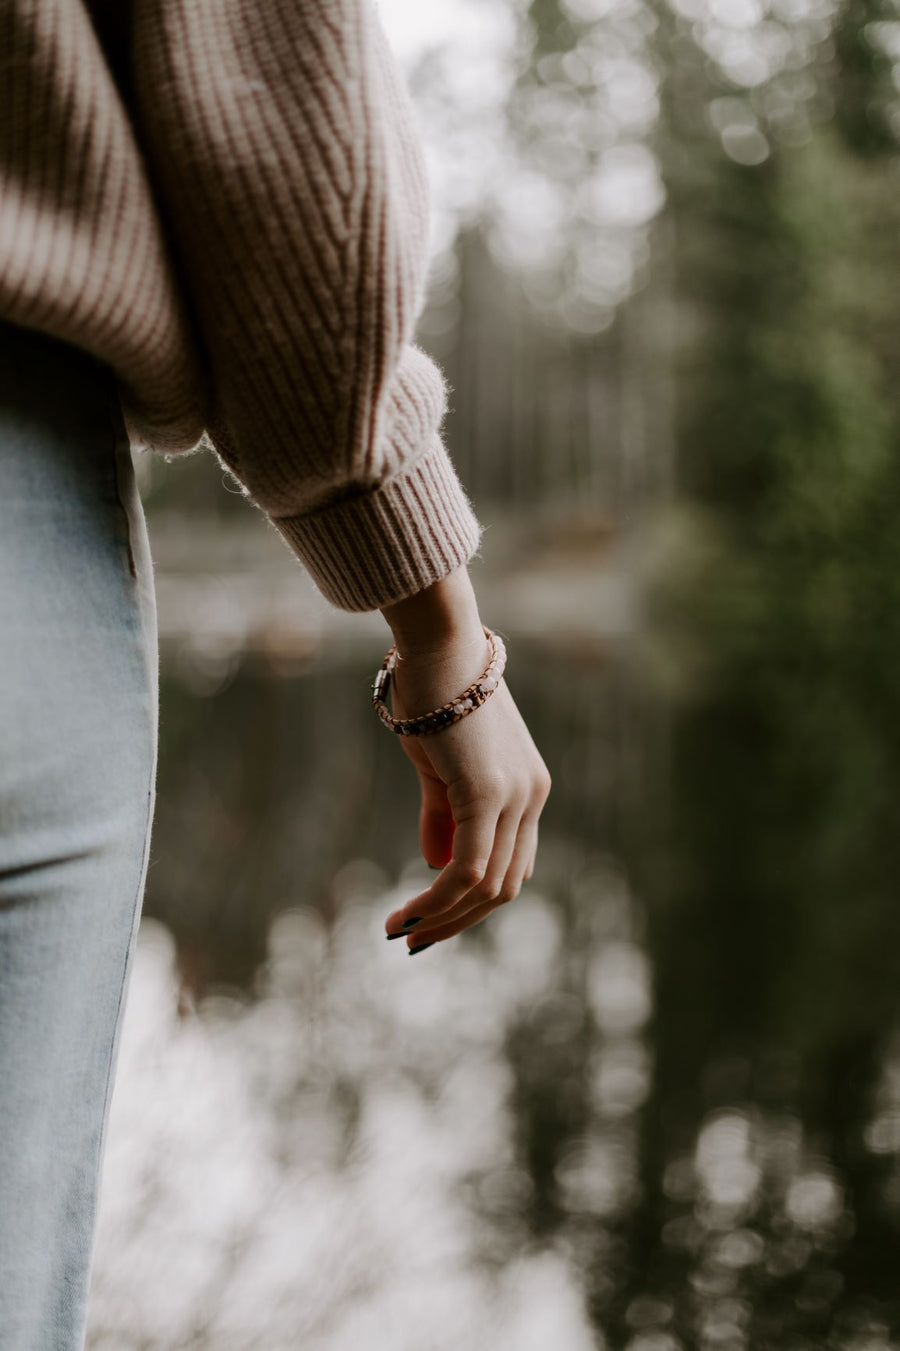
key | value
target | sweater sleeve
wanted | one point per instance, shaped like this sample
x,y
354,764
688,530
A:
x,y
292,186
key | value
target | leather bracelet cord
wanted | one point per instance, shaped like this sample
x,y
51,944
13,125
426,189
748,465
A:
x,y
471,698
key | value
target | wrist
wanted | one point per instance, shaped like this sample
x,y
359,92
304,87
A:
x,y
438,708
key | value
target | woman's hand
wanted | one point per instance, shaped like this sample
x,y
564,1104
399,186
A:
x,y
483,782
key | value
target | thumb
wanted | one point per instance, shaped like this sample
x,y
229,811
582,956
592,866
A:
x,y
436,824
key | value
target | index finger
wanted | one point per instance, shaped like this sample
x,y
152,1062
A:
x,y
473,841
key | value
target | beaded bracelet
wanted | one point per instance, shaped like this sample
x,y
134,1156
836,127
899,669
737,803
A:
x,y
471,698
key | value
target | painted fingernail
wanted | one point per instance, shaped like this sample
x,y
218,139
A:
x,y
411,923
396,935
421,948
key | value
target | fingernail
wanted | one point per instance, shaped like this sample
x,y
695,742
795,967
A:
x,y
435,867
411,923
421,948
396,935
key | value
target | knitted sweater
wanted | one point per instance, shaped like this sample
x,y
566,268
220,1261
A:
x,y
226,202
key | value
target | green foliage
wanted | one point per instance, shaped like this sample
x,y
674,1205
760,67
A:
x,y
787,424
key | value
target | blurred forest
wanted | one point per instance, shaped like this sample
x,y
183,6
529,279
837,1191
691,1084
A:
x,y
683,277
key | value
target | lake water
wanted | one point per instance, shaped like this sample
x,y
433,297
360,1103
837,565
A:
x,y
653,1104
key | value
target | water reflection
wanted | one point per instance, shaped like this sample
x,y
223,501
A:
x,y
632,1110
334,1160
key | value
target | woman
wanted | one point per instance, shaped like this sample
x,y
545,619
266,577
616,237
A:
x,y
213,223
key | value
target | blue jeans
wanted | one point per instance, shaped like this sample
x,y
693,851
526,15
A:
x,y
78,738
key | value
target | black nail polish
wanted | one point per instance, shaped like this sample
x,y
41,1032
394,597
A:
x,y
411,923
397,935
421,948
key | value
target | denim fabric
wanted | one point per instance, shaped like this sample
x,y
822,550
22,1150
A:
x,y
78,737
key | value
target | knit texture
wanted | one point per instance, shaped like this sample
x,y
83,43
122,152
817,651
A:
x,y
242,235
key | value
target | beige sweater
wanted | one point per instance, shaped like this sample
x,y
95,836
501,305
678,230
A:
x,y
226,201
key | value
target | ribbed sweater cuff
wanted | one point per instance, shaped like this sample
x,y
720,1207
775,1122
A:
x,y
371,550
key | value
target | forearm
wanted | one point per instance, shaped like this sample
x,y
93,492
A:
x,y
443,616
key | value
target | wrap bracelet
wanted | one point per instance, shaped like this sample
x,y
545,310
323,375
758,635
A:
x,y
471,698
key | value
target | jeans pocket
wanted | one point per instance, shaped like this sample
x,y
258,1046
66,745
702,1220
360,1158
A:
x,y
132,533
126,487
